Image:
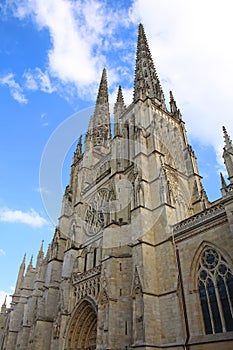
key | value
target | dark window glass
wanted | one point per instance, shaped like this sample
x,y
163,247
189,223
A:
x,y
216,292
94,257
205,308
225,304
214,307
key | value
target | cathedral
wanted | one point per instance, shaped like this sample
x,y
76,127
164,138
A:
x,y
140,258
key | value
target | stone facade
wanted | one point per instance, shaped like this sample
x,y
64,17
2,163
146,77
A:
x,y
140,258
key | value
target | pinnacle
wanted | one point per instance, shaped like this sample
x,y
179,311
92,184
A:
x,y
120,95
227,139
223,182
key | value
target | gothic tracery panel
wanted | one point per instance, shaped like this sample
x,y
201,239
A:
x,y
215,285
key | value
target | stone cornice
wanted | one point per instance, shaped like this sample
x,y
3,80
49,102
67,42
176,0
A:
x,y
199,219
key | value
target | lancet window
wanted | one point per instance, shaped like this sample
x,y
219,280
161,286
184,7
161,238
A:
x,y
215,285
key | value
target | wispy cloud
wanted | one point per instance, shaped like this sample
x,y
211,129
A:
x,y
15,89
31,218
42,190
2,252
38,80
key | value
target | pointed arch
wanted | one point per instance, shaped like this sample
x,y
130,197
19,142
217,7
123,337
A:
x,y
82,328
213,282
196,258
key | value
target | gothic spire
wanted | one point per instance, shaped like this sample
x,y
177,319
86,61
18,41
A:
x,y
146,82
228,154
99,131
101,114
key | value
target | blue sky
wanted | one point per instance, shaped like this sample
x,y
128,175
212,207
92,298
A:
x,y
52,53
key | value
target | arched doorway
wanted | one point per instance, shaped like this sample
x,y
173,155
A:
x,y
82,330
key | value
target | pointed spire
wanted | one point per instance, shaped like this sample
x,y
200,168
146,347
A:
x,y
146,83
40,255
30,265
228,142
120,98
228,154
101,114
78,152
99,130
119,109
20,274
223,182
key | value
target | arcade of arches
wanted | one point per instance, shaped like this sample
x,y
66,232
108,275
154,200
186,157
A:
x,y
82,331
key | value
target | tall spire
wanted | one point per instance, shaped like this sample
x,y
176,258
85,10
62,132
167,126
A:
x,y
228,154
99,131
146,83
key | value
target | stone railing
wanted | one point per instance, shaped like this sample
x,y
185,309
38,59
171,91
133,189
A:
x,y
87,284
78,277
199,218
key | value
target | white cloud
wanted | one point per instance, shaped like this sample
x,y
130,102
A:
x,y
15,89
2,252
5,295
80,32
31,218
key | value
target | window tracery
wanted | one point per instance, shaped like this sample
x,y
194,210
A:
x,y
215,285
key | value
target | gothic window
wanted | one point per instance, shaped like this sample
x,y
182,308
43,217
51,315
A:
x,y
215,284
85,263
94,257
